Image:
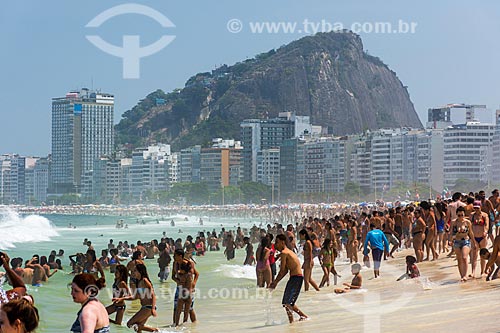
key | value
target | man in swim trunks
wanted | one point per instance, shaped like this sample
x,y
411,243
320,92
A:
x,y
289,262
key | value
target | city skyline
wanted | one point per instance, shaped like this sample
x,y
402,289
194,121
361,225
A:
x,y
41,53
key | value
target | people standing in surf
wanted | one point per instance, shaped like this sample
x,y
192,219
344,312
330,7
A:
x,y
163,262
92,316
463,241
92,265
272,256
308,260
249,258
178,261
120,290
185,277
146,294
230,247
326,258
136,259
263,268
289,263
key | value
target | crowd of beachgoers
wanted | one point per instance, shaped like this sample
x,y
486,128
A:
x,y
465,226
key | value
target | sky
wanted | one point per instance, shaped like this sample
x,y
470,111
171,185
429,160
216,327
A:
x,y
451,57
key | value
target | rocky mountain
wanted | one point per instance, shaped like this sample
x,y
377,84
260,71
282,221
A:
x,y
328,77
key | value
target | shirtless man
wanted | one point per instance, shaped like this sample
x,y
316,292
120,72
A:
x,y
291,244
289,262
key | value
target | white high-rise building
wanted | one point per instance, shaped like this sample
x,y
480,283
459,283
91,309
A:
x,y
465,151
82,132
12,179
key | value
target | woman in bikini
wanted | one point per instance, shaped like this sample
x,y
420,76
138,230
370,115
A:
x,y
263,268
120,289
308,264
430,231
463,241
440,213
480,225
352,241
92,265
418,234
326,258
146,294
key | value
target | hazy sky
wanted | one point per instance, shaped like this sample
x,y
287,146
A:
x,y
451,58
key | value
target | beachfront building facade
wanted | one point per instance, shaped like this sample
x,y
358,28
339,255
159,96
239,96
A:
x,y
495,150
217,166
288,168
320,165
385,158
466,148
12,179
214,168
268,166
82,132
36,179
189,165
260,134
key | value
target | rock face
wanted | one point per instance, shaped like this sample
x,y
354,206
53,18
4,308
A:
x,y
327,77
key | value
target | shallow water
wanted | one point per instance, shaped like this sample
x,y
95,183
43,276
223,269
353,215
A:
x,y
437,302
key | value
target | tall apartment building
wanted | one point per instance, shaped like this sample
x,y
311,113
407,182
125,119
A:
x,y
288,168
268,166
466,150
495,149
12,179
214,168
394,157
189,165
36,179
82,132
235,161
321,165
261,134
149,170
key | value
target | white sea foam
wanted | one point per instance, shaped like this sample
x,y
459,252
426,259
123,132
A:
x,y
29,229
237,271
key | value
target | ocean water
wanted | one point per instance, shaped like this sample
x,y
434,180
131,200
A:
x,y
227,300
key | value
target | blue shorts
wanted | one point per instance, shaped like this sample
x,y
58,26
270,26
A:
x,y
292,290
460,243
